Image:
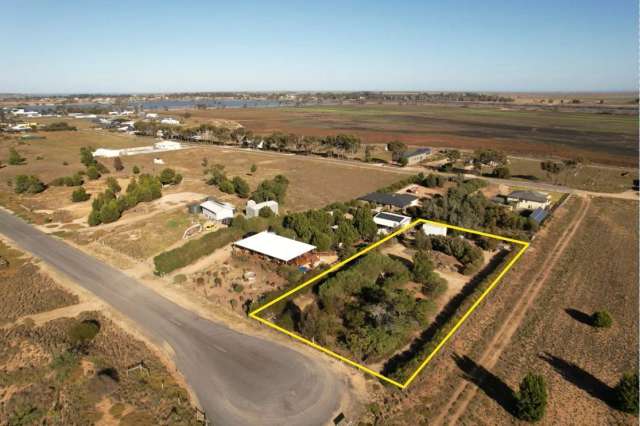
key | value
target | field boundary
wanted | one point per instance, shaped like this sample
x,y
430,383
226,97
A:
x,y
254,314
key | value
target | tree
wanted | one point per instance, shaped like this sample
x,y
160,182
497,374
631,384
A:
x,y
254,168
403,161
86,156
453,155
117,164
532,398
363,222
15,159
397,150
28,184
626,393
489,156
94,218
110,212
79,195
81,333
167,176
601,319
241,187
227,186
502,172
93,173
135,170
422,268
265,212
113,185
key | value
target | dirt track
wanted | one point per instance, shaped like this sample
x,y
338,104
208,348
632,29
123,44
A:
x,y
459,400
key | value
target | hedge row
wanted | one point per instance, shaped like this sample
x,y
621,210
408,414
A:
x,y
184,255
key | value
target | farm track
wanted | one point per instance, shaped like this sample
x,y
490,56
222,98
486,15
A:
x,y
465,391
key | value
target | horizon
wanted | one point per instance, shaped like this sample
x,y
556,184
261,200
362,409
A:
x,y
493,47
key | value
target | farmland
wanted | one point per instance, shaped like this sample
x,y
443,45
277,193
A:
x,y
600,138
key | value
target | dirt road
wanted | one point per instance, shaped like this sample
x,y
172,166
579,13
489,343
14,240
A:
x,y
459,400
239,379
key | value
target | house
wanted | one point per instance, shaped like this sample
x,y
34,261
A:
x,y
433,229
276,247
538,215
215,210
170,121
253,209
529,200
151,115
400,201
416,156
387,221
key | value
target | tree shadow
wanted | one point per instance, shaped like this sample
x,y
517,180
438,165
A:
x,y
488,382
581,378
579,316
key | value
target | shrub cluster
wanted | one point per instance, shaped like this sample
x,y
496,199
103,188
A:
x,y
73,180
29,184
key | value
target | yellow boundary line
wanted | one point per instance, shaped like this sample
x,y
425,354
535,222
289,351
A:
x,y
370,247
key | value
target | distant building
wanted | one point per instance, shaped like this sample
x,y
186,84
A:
x,y
529,200
215,210
279,248
167,145
400,201
170,121
432,229
387,221
417,156
253,209
151,115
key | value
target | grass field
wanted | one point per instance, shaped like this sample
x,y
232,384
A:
x,y
601,138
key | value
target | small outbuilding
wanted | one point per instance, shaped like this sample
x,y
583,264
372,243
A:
x,y
387,221
433,229
218,211
276,247
417,155
253,209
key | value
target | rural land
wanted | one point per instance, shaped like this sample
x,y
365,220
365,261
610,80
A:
x,y
139,234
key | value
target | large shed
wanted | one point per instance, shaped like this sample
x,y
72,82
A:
x,y
276,247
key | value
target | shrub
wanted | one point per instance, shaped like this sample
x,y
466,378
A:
x,y
135,170
241,187
79,195
167,176
86,156
227,186
532,398
81,333
28,184
59,126
92,173
112,184
266,212
94,218
179,279
117,164
254,168
15,159
502,172
601,319
110,212
237,287
626,393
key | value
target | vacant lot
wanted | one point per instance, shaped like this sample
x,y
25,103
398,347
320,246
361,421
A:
x,y
601,138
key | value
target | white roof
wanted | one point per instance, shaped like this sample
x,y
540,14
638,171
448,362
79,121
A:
x,y
390,220
273,245
222,210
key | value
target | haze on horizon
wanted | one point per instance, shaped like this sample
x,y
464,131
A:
x,y
163,46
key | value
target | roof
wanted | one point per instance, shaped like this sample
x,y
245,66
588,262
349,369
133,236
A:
x,y
390,220
273,245
396,200
223,210
418,151
538,197
538,214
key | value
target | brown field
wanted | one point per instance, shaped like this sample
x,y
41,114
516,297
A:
x,y
43,382
600,138
524,326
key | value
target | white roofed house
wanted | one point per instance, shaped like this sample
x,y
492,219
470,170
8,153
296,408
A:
x,y
529,200
218,211
276,247
253,209
433,229
387,221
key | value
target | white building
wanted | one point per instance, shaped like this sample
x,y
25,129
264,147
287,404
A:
x,y
529,200
387,221
170,121
107,152
277,247
433,229
167,145
151,115
253,209
214,210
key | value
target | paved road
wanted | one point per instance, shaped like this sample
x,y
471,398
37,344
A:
x,y
239,379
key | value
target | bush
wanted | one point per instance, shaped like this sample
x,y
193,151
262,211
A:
x,y
227,186
532,398
241,187
28,184
179,279
626,393
79,195
502,172
237,287
601,319
167,176
59,126
92,173
113,185
15,159
266,212
117,164
135,170
86,156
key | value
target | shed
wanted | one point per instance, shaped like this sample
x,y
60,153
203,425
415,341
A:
x,y
391,220
433,229
389,199
274,246
253,209
417,155
215,210
538,215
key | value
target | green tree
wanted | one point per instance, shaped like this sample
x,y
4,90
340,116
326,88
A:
x,y
403,161
227,186
79,195
397,150
241,187
626,393
422,268
93,173
110,212
94,218
112,184
167,176
265,212
531,398
363,222
254,168
15,159
601,319
86,156
28,184
82,333
135,170
502,172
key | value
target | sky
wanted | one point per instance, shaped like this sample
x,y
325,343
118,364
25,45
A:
x,y
191,45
